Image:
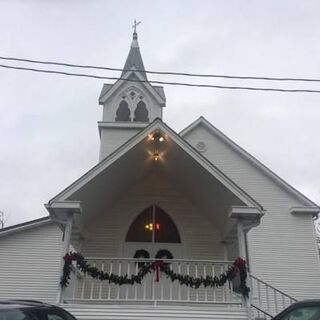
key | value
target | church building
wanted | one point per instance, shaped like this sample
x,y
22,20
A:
x,y
195,201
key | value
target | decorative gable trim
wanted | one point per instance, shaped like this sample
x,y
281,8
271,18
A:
x,y
109,91
282,183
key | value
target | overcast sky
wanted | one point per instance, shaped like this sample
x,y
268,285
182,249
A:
x,y
48,123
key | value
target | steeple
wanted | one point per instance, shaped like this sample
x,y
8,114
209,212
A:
x,y
128,106
134,59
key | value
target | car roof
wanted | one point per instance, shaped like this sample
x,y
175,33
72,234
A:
x,y
17,303
302,303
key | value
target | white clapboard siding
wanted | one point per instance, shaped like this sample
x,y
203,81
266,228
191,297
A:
x,y
282,249
105,235
125,312
30,263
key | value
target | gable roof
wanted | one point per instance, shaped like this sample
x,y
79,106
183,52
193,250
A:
x,y
25,226
285,185
157,124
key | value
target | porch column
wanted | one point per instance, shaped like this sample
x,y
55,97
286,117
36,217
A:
x,y
246,218
242,240
62,212
66,248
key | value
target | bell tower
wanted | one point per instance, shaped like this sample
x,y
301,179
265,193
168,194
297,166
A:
x,y
129,104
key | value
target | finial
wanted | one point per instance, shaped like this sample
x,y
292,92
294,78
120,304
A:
x,y
135,24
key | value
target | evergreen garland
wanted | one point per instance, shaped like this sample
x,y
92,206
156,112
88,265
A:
x,y
238,267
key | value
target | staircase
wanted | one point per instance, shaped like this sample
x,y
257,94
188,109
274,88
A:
x,y
265,300
147,312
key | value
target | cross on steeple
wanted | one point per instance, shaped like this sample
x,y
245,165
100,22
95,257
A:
x,y
135,24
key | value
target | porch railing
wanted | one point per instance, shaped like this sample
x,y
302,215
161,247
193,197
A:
x,y
266,300
83,288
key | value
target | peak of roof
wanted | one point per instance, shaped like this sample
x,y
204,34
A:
x,y
134,59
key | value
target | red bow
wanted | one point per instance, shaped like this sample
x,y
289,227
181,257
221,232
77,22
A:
x,y
158,264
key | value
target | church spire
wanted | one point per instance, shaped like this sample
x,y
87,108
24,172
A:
x,y
134,59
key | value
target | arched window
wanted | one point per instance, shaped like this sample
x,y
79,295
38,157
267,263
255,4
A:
x,y
141,112
123,112
153,225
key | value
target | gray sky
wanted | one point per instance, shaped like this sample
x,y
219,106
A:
x,y
48,130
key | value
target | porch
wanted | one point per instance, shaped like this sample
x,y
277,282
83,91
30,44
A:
x,y
156,295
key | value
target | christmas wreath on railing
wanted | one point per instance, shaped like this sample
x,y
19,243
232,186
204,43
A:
x,y
141,254
164,254
238,267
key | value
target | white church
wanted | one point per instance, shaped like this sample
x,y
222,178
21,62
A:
x,y
195,200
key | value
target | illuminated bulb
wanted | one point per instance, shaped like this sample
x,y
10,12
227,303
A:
x,y
161,139
156,156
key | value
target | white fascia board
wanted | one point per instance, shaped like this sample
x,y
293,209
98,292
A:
x,y
249,216
25,226
282,183
305,210
158,125
74,206
122,125
190,127
245,212
147,85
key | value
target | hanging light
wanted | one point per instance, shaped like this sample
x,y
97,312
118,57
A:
x,y
157,136
156,156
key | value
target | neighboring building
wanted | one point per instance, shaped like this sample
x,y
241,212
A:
x,y
195,194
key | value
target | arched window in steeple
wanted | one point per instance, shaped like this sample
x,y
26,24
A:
x,y
123,112
153,225
141,112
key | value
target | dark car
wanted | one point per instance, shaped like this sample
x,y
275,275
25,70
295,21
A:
x,y
302,310
32,310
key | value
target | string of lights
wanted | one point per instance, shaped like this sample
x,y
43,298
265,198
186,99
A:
x,y
161,72
161,82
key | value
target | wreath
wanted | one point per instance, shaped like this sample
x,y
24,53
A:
x,y
141,254
164,254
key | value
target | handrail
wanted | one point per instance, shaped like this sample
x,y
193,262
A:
x,y
260,310
267,299
272,287
165,260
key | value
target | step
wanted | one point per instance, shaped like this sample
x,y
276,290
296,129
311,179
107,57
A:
x,y
146,312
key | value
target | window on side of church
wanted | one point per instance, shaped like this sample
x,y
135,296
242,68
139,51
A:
x,y
123,112
141,112
153,225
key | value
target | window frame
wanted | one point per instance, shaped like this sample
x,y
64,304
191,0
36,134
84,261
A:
x,y
155,210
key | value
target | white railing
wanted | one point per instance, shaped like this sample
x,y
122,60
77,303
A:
x,y
266,300
83,288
